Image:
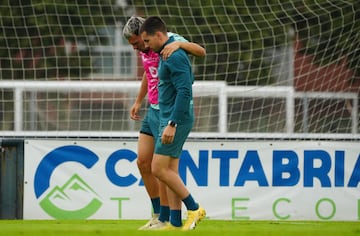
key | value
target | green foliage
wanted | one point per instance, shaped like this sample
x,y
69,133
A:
x,y
235,35
239,35
33,35
329,30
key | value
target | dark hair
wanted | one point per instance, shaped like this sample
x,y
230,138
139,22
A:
x,y
153,24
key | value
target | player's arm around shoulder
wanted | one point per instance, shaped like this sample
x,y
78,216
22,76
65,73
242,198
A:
x,y
191,48
179,61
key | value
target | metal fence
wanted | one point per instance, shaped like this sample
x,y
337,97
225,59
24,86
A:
x,y
295,124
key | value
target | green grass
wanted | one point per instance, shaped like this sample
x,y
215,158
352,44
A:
x,y
205,228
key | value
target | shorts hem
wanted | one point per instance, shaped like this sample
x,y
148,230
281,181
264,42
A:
x,y
146,133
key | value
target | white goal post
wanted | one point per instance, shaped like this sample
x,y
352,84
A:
x,y
217,89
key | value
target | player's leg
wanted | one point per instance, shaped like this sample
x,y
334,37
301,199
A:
x,y
161,169
176,203
164,203
195,213
144,159
146,143
164,215
165,168
166,160
178,194
154,123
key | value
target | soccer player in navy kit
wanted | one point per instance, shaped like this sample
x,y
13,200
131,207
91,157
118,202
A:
x,y
176,122
150,123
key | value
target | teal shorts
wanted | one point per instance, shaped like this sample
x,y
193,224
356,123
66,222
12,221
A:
x,y
150,124
173,149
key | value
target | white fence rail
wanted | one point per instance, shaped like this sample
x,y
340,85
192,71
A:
x,y
201,88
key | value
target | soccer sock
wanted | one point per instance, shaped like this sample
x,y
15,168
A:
x,y
164,213
175,218
156,205
190,203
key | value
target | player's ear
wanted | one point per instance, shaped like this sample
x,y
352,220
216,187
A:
x,y
158,34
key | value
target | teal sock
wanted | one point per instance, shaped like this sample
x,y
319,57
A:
x,y
164,213
190,203
175,218
156,205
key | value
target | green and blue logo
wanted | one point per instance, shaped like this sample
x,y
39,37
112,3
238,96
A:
x,y
60,200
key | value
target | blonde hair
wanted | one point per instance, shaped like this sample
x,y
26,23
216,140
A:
x,y
132,26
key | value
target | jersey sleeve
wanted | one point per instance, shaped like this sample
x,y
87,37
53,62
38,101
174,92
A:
x,y
177,37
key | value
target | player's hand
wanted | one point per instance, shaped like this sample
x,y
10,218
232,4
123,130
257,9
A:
x,y
169,49
134,111
168,135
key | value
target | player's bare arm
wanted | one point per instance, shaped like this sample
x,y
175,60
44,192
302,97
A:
x,y
134,111
191,48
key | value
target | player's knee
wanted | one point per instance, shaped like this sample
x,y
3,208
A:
x,y
154,169
157,172
144,164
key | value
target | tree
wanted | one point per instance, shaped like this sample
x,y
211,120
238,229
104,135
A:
x,y
239,36
35,36
47,40
236,36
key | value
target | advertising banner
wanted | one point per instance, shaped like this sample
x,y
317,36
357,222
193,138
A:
x,y
232,180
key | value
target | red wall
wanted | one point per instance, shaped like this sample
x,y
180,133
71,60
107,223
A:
x,y
311,77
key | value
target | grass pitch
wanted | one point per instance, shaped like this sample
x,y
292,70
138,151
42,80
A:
x,y
205,228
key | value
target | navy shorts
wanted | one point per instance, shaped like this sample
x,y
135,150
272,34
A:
x,y
150,124
173,149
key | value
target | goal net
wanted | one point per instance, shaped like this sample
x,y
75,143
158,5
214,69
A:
x,y
273,69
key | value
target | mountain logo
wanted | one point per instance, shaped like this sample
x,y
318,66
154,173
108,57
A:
x,y
59,199
61,202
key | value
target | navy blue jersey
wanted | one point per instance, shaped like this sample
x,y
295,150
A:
x,y
175,87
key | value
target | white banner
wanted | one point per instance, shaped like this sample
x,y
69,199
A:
x,y
233,180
